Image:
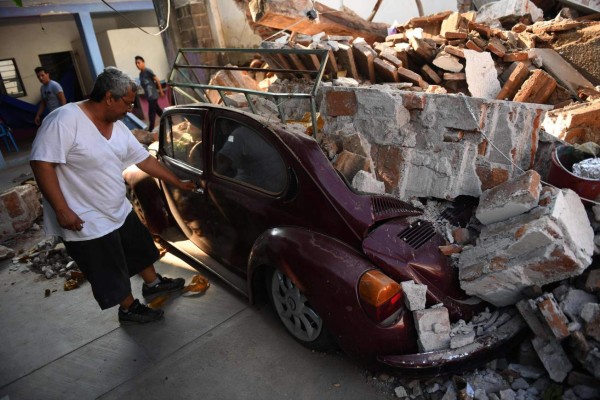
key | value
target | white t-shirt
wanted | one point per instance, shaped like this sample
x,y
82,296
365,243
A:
x,y
89,170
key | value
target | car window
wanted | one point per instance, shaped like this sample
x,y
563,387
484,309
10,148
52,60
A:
x,y
183,139
242,154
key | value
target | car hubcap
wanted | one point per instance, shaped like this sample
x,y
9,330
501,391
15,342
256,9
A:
x,y
293,309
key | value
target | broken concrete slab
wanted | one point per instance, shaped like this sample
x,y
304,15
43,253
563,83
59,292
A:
x,y
547,244
509,199
405,129
560,69
482,76
415,295
492,13
587,6
553,357
585,117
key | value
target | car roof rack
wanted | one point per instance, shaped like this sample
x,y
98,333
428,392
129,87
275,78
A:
x,y
194,69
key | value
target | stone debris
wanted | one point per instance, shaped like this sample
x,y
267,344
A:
x,y
414,295
49,258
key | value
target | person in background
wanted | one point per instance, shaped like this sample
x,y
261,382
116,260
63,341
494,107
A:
x,y
52,94
78,157
150,82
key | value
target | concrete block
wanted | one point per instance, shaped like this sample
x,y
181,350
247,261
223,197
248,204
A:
x,y
568,212
365,182
349,164
509,199
481,74
433,328
553,358
574,301
592,283
462,339
506,8
560,69
590,313
415,295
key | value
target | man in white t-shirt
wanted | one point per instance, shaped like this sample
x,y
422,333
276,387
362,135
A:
x,y
78,157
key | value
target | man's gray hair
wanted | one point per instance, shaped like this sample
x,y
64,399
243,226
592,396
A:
x,y
112,80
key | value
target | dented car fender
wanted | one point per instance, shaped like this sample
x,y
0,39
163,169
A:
x,y
327,272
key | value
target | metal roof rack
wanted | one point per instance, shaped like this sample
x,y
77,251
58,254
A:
x,y
194,68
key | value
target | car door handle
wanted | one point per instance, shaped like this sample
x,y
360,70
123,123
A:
x,y
199,190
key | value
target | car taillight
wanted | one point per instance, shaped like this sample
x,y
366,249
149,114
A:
x,y
380,296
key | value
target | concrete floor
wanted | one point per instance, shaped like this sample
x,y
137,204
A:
x,y
213,346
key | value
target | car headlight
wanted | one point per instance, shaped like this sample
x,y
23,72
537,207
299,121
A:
x,y
380,296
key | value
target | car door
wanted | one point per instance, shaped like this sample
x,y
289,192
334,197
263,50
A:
x,y
249,182
183,151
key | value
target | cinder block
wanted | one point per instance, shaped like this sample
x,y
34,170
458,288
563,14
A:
x,y
433,328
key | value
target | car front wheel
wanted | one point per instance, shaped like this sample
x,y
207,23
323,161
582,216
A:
x,y
296,314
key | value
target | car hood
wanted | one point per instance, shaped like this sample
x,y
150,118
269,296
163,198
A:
x,y
410,251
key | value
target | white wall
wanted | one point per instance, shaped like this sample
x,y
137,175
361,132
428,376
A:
x,y
235,28
60,34
28,40
392,10
125,44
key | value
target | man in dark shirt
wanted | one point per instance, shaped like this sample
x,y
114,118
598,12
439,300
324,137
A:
x,y
150,82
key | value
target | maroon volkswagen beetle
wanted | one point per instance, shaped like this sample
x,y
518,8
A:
x,y
271,212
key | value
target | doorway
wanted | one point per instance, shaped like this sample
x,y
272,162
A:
x,y
63,70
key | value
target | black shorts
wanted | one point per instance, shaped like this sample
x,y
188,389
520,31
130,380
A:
x,y
109,261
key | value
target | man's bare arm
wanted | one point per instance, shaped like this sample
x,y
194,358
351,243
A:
x,y
47,180
61,98
157,170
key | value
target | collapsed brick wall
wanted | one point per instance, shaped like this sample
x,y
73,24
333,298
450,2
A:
x,y
19,208
429,145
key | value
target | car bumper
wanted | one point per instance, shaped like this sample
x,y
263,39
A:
x,y
484,348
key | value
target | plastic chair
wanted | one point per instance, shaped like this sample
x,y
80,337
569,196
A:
x,y
7,136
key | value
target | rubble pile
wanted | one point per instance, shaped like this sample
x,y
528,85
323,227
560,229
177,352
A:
x,y
49,258
500,380
458,53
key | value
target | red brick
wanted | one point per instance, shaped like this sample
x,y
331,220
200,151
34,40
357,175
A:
x,y
537,88
341,103
491,177
554,317
413,101
462,236
387,161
